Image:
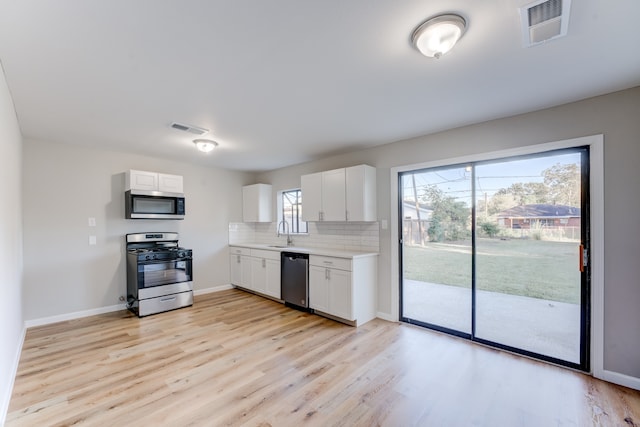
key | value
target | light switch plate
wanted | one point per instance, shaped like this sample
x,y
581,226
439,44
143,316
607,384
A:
x,y
384,224
92,222
92,240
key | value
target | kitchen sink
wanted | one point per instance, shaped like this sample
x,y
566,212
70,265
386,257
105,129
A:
x,y
278,246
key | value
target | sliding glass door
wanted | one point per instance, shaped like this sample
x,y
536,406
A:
x,y
494,251
436,256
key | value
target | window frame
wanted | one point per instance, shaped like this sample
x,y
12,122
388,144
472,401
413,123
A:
x,y
294,227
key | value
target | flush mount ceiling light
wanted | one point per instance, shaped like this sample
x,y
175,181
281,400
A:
x,y
205,145
438,35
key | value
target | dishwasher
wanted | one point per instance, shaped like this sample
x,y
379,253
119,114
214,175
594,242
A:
x,y
294,279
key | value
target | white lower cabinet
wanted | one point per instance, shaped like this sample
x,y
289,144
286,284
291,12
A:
x,y
235,269
343,287
318,288
340,288
240,266
273,278
265,272
256,270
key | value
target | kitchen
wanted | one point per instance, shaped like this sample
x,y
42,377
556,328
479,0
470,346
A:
x,y
52,187
103,265
47,249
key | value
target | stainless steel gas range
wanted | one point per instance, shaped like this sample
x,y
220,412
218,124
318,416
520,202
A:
x,y
159,273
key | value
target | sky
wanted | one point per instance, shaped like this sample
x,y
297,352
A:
x,y
490,177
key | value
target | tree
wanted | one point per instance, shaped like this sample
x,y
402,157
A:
x,y
563,184
526,193
449,217
560,186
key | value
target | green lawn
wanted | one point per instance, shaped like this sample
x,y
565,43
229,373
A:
x,y
533,268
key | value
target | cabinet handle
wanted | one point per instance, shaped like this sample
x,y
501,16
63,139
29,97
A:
x,y
327,274
346,215
238,259
264,263
328,262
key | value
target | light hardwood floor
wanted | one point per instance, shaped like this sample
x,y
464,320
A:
x,y
238,359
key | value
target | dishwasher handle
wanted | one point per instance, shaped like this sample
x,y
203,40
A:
x,y
294,256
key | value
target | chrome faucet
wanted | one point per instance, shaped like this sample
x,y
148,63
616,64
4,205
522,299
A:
x,y
285,230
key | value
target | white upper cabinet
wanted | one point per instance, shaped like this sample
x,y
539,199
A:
x,y
256,203
141,180
361,193
333,195
311,186
347,194
153,181
170,183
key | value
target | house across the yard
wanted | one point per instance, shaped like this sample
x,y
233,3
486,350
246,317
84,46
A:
x,y
539,215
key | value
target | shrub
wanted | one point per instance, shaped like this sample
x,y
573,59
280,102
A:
x,y
491,229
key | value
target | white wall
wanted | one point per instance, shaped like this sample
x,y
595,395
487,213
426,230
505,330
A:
x,y
614,115
11,319
64,185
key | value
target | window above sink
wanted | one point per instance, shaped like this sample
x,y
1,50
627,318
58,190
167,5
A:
x,y
290,210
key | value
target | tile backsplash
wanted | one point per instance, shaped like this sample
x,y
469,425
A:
x,y
350,236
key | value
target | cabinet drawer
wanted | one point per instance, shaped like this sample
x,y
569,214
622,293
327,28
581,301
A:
x,y
264,253
330,262
235,250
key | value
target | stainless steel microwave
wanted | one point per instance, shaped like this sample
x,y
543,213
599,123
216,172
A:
x,y
142,204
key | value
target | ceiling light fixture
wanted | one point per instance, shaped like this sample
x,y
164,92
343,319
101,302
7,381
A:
x,y
205,145
438,35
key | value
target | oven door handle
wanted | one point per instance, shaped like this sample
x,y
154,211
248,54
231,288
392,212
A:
x,y
162,261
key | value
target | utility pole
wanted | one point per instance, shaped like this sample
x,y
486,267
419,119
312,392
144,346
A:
x,y
486,211
415,198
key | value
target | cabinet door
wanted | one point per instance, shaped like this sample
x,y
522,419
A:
x,y
311,187
333,195
273,278
256,203
259,274
235,269
361,193
318,288
340,294
142,180
246,280
170,183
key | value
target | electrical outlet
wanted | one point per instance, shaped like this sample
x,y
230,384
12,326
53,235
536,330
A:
x,y
92,222
92,240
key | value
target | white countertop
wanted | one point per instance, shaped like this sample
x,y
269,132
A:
x,y
310,251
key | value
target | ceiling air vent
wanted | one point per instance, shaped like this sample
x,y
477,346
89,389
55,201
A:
x,y
188,128
544,20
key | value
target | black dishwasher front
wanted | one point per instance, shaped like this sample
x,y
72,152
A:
x,y
294,281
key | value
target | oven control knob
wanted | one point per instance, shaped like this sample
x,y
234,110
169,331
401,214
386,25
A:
x,y
181,254
148,256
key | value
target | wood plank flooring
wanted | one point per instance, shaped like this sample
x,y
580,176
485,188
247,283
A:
x,y
238,359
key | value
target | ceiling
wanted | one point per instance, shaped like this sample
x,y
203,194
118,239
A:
x,y
281,82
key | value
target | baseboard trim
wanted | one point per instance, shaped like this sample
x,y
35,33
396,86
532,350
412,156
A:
x,y
86,313
75,315
621,379
386,316
4,405
210,290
